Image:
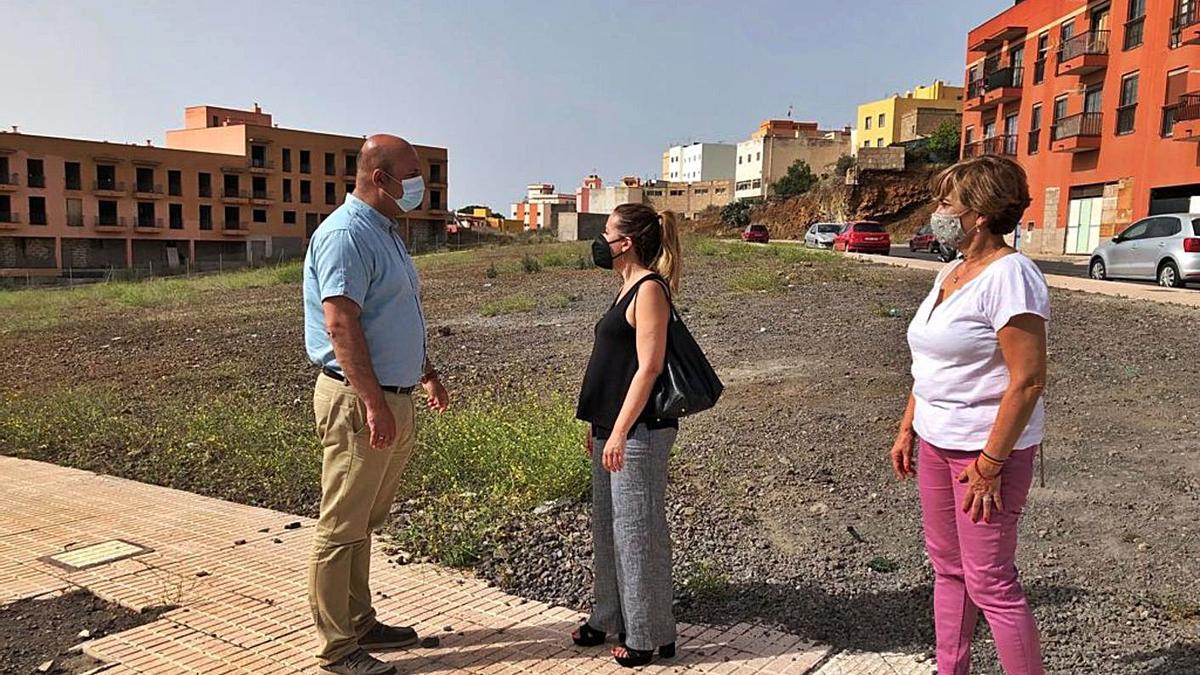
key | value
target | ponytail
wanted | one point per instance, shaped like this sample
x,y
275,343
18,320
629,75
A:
x,y
669,263
655,239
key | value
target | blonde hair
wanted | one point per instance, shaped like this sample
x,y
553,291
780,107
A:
x,y
655,239
992,186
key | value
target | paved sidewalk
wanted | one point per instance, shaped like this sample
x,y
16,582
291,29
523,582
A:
x,y
1133,291
236,577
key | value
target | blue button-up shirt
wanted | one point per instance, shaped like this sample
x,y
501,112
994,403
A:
x,y
357,253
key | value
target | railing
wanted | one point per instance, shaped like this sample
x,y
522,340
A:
x,y
351,171
9,217
1090,43
1181,21
1082,124
108,186
76,184
996,145
175,190
75,219
149,223
234,227
287,196
262,194
975,89
108,221
206,192
10,179
1125,118
230,193
305,168
1012,76
254,163
305,199
37,218
1189,107
147,189
36,180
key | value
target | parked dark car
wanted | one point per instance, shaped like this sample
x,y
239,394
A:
x,y
756,233
864,236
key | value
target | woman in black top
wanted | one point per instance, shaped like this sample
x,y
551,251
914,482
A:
x,y
631,542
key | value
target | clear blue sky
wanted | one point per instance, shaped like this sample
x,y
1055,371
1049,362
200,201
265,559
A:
x,y
519,91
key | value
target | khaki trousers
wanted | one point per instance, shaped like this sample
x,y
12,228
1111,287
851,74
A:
x,y
358,485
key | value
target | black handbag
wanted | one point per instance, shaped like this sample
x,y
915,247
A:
x,y
688,384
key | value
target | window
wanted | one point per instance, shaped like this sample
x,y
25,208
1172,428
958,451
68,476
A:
x,y
676,193
758,156
74,213
231,187
435,199
1035,129
701,191
1166,226
435,173
107,213
175,183
175,213
289,217
351,164
6,214
37,210
1039,66
145,214
879,143
330,193
868,121
287,159
232,215
258,157
1127,110
287,189
305,192
882,118
330,164
869,227
349,188
260,215
305,162
756,183
867,143
719,191
216,121
73,175
205,217
36,171
258,185
1135,25
739,159
1060,108
1138,230
311,221
204,183
969,136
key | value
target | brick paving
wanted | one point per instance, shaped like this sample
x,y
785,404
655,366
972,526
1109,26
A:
x,y
235,576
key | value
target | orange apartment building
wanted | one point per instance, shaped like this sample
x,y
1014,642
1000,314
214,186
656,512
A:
x,y
1100,102
230,188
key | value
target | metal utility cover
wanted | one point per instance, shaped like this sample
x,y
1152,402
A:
x,y
94,555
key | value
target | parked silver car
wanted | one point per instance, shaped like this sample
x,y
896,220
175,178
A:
x,y
821,235
1165,248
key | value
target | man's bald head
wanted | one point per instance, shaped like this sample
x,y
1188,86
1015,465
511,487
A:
x,y
384,162
392,154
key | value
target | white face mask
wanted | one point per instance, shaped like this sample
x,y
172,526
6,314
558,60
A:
x,y
414,193
948,229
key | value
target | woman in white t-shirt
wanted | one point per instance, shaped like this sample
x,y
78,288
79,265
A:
x,y
976,415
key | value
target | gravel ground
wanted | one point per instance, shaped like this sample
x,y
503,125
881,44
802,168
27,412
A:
x,y
783,507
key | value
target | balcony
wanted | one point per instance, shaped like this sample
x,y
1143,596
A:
x,y
233,195
1003,86
262,196
232,229
996,145
9,220
9,181
108,223
973,102
1185,28
1084,54
109,187
260,165
147,191
987,43
1185,118
1077,133
148,224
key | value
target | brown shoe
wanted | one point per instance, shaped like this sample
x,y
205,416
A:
x,y
383,637
359,662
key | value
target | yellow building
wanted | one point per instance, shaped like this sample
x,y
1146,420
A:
x,y
879,122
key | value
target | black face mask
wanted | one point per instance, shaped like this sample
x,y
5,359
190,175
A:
x,y
602,253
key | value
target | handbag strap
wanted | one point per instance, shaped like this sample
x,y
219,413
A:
x,y
657,278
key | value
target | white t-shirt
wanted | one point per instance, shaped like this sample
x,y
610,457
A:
x,y
959,374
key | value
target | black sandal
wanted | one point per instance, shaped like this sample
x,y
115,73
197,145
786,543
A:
x,y
640,657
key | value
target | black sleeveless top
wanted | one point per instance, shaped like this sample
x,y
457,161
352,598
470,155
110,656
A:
x,y
611,368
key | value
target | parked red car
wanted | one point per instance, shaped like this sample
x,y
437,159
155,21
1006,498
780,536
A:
x,y
756,233
864,236
924,240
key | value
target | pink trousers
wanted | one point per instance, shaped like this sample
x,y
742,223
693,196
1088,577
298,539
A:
x,y
974,564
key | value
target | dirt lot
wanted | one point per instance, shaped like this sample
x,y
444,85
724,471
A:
x,y
783,506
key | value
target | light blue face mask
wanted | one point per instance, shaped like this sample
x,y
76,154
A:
x,y
414,193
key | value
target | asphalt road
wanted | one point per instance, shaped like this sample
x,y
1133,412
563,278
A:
x,y
1067,269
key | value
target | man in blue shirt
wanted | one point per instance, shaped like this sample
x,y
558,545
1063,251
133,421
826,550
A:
x,y
364,326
